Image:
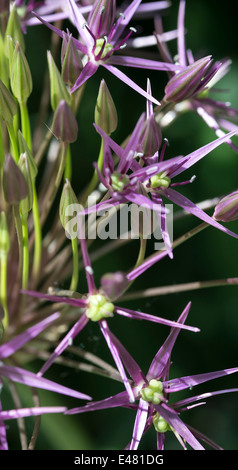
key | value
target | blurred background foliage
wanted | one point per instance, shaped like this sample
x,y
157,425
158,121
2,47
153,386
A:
x,y
211,29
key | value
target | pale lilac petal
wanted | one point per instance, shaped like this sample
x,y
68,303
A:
x,y
176,423
146,265
88,71
149,106
145,316
182,383
195,156
189,206
162,357
119,74
17,342
140,423
66,341
16,374
131,147
3,433
79,21
181,34
110,142
24,412
116,356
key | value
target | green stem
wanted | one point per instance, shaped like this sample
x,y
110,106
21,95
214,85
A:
x,y
75,274
18,224
3,289
13,140
58,179
94,181
37,234
25,122
68,166
25,248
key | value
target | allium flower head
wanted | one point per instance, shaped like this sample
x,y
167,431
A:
x,y
101,37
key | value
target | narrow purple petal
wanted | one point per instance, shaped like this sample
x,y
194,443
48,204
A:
x,y
162,357
16,374
177,424
119,74
88,71
195,156
140,423
182,383
24,412
189,206
17,342
137,62
86,259
66,341
116,356
145,316
124,19
56,298
119,400
202,396
132,145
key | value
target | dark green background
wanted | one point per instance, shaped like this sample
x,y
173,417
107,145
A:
x,y
211,29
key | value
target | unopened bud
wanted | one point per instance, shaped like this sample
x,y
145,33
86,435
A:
x,y
65,126
21,80
185,84
151,138
102,17
58,90
23,147
8,107
68,198
70,60
227,208
4,6
14,27
105,114
14,183
114,284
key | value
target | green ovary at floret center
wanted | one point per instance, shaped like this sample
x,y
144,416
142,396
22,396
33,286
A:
x,y
99,307
153,393
106,49
118,182
160,181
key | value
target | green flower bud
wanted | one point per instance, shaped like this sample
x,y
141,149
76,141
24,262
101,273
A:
x,y
58,90
14,183
21,81
4,235
4,69
160,424
71,62
8,107
105,114
14,28
65,126
68,197
23,147
26,204
99,307
153,393
10,45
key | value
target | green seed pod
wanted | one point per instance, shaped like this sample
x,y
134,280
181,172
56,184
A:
x,y
21,80
105,113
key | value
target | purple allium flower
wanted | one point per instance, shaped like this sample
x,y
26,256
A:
x,y
152,391
193,84
102,37
97,307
